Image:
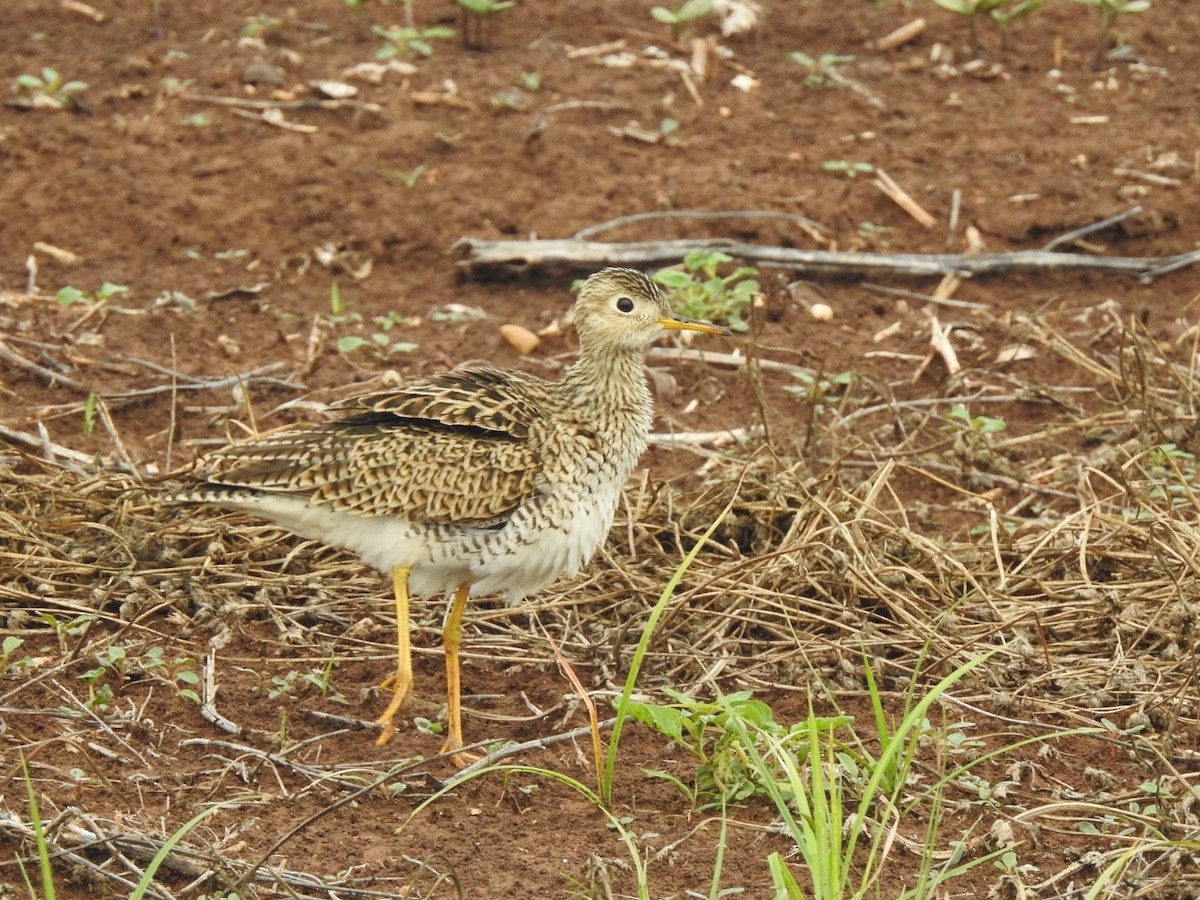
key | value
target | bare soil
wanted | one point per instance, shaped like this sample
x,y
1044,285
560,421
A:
x,y
230,230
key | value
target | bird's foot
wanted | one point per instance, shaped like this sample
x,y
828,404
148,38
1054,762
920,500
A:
x,y
460,758
387,720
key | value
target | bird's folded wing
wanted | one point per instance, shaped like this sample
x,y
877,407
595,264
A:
x,y
472,396
449,449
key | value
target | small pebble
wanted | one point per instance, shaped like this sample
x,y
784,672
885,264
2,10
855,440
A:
x,y
520,338
822,312
260,72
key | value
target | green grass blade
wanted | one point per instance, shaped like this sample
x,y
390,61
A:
x,y
147,878
39,836
639,654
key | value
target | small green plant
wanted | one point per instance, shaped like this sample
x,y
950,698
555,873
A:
x,y
676,19
822,71
47,91
176,87
64,631
408,42
529,81
706,730
846,167
1169,475
260,25
873,235
817,388
972,438
476,20
89,414
962,421
999,11
116,662
1004,17
380,343
699,292
39,837
9,661
72,296
412,177
1108,12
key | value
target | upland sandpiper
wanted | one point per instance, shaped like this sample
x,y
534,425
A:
x,y
477,481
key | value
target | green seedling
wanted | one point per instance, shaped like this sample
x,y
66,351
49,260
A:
x,y
1108,12
337,307
408,42
707,731
847,168
89,414
39,837
873,235
9,661
115,662
321,680
196,120
973,436
999,11
412,177
699,292
381,346
971,10
176,87
816,388
477,16
529,81
676,19
962,421
63,631
1004,17
822,71
72,296
47,91
259,26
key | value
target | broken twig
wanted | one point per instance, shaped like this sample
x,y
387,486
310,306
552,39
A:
x,y
568,253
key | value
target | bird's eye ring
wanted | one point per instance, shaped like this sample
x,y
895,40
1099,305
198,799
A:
x,y
624,304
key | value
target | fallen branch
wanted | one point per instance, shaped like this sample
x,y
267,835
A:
x,y
568,253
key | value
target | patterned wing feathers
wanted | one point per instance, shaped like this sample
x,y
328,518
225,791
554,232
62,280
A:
x,y
470,396
450,449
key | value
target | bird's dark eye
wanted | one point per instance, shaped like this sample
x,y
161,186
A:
x,y
624,304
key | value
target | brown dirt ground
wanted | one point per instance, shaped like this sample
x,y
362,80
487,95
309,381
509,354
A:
x,y
215,225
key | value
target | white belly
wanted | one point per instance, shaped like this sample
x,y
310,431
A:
x,y
517,560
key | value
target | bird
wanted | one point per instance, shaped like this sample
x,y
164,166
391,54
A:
x,y
473,482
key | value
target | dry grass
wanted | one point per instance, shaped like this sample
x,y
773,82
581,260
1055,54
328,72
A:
x,y
1071,550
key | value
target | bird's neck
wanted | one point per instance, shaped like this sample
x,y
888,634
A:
x,y
611,384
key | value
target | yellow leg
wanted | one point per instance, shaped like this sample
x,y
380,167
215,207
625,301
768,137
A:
x,y
401,682
452,640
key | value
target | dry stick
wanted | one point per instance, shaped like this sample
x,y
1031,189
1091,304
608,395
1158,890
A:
x,y
310,103
591,231
575,254
924,298
900,36
514,749
1089,229
8,355
901,198
208,704
588,702
50,451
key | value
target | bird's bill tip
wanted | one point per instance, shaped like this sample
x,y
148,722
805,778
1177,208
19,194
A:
x,y
683,323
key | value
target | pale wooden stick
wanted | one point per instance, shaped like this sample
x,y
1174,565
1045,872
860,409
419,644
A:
x,y
884,182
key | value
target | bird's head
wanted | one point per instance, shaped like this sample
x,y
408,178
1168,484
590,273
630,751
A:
x,y
624,309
